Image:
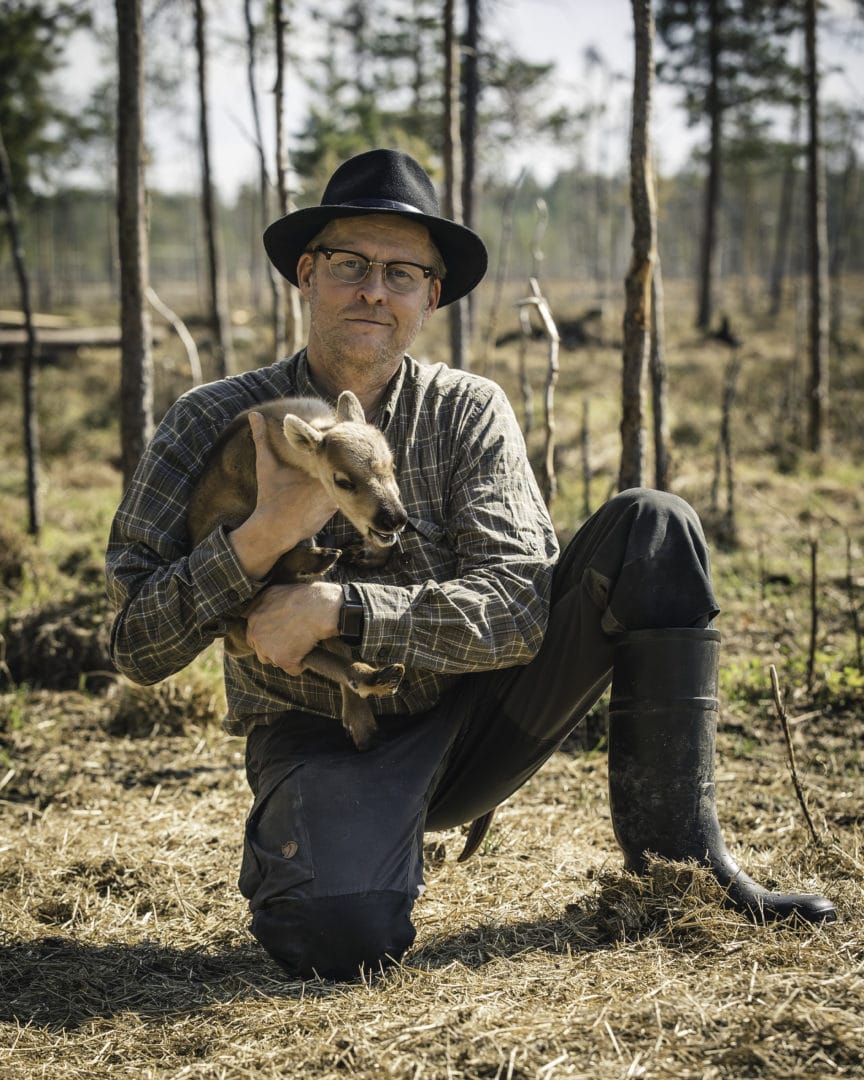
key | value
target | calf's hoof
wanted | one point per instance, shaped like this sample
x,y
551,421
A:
x,y
367,681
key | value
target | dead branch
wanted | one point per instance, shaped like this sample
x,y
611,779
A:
x,y
724,453
793,768
182,332
537,300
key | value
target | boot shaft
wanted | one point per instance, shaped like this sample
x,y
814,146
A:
x,y
674,666
662,734
662,731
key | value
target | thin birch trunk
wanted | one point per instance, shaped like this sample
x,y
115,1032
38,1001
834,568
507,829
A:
x,y
30,359
223,350
657,368
453,169
136,371
712,183
637,315
274,279
817,432
293,309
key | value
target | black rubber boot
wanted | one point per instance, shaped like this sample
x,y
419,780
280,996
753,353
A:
x,y
662,729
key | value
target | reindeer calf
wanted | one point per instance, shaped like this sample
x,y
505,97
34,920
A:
x,y
352,460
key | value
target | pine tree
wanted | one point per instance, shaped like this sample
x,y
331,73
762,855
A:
x,y
730,57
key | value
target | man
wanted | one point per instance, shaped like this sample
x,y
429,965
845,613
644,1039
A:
x,y
506,644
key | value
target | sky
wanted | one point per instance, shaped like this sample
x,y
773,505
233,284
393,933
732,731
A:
x,y
557,31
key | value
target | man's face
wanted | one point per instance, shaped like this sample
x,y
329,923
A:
x,y
367,323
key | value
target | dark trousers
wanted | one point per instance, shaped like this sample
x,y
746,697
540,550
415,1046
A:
x,y
333,850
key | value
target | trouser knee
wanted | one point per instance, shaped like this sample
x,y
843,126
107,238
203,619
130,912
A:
x,y
334,937
653,501
643,561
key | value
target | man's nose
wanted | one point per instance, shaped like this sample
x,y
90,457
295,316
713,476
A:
x,y
373,287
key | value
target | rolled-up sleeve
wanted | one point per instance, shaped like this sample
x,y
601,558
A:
x,y
170,602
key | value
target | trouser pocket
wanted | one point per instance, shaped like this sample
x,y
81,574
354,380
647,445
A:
x,y
277,860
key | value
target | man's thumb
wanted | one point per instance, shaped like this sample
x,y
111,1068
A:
x,y
258,425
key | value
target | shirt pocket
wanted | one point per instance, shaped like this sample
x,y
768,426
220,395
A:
x,y
276,851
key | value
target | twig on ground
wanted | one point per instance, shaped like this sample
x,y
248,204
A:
x,y
793,768
814,611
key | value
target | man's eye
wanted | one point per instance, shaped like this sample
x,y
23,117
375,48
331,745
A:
x,y
400,273
344,483
352,264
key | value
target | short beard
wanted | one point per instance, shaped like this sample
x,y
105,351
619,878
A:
x,y
341,358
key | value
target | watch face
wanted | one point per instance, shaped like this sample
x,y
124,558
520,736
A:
x,y
351,622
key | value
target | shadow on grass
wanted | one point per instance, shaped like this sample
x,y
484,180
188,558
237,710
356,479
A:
x,y
57,983
61,984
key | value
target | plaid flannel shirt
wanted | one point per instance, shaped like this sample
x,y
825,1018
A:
x,y
467,588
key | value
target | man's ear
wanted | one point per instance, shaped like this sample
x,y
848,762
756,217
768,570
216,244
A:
x,y
301,436
434,297
305,266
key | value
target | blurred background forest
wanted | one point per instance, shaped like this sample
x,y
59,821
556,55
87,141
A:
x,y
145,145
248,103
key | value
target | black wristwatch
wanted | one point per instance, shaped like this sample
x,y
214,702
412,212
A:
x,y
351,617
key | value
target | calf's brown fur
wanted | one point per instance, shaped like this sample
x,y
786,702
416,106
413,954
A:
x,y
352,460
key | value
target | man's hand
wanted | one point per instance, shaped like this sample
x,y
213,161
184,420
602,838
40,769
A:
x,y
286,622
291,507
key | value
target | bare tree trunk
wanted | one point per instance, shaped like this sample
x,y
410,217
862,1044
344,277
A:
x,y
251,65
453,168
277,293
727,526
637,314
550,478
221,326
712,183
837,262
657,368
784,219
502,268
31,352
748,232
136,369
817,230
470,108
293,312
585,447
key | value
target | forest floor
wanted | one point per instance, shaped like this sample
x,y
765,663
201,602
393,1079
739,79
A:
x,y
124,948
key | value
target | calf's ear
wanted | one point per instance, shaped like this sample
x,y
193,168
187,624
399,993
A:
x,y
348,408
301,436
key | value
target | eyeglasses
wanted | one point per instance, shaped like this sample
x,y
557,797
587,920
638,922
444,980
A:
x,y
351,268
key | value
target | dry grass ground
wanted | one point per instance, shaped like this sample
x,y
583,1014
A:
x,y
123,943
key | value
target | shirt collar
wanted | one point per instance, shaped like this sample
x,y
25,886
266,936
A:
x,y
386,407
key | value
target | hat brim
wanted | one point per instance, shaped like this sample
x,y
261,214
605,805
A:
x,y
462,250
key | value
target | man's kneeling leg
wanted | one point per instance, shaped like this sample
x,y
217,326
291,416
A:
x,y
333,852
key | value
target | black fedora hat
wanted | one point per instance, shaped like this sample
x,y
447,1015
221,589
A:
x,y
381,182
